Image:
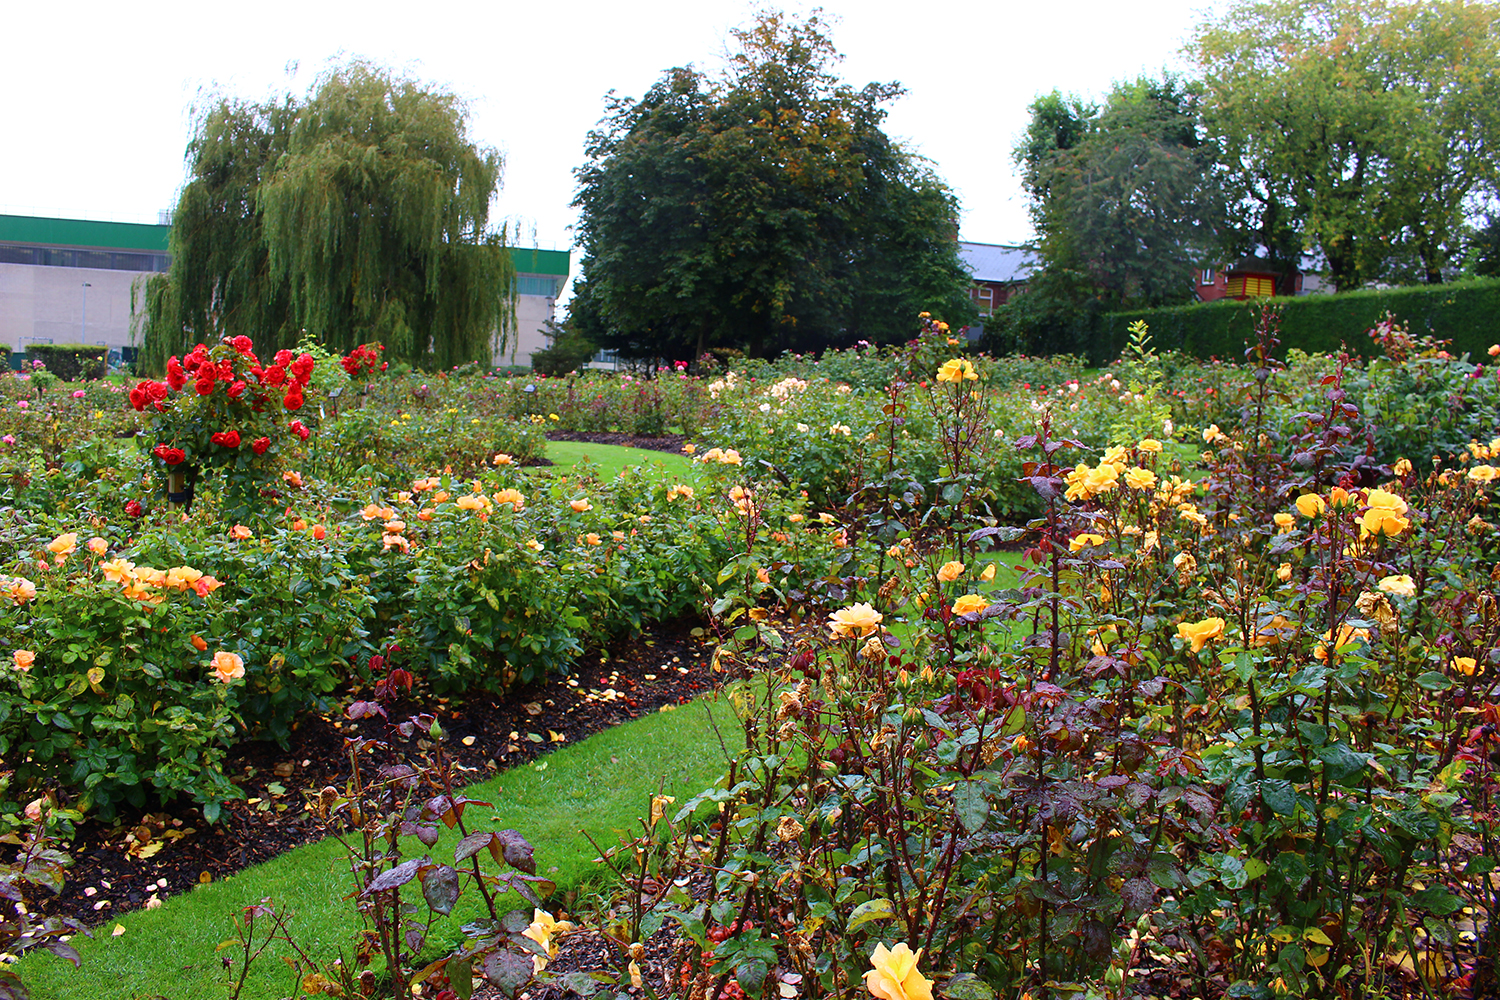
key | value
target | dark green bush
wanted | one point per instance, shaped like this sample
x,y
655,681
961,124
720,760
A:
x,y
71,362
1466,313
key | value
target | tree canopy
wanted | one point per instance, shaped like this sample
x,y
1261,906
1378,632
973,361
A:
x,y
763,210
1127,194
1363,128
356,214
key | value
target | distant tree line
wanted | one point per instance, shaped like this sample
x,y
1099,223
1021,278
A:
x,y
1356,139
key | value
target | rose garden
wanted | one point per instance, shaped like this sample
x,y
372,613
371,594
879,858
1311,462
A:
x,y
1175,677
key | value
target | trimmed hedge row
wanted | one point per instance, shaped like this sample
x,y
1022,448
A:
x,y
71,362
1467,313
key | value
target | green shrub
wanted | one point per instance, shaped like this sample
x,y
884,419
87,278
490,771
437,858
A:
x,y
71,362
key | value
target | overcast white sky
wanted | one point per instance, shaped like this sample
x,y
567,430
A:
x,y
96,115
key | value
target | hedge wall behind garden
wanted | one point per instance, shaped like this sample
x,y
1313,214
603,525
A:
x,y
71,361
1468,314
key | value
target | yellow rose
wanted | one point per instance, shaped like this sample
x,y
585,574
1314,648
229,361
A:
x,y
1195,634
969,604
1284,522
544,930
1284,572
1402,467
988,574
1149,444
956,370
1385,514
950,571
1310,505
1482,473
1140,479
857,620
1084,540
895,975
1347,634
1401,585
1465,665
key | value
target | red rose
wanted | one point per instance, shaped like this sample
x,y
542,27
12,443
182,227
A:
x,y
275,375
226,371
138,398
259,445
384,365
229,439
133,508
299,429
176,377
241,344
293,400
156,390
236,390
302,368
172,456
283,358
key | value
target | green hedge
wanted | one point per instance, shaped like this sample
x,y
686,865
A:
x,y
70,362
1467,313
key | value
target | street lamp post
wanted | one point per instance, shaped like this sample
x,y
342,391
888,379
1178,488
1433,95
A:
x,y
83,323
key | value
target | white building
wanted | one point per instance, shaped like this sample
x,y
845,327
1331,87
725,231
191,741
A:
x,y
69,281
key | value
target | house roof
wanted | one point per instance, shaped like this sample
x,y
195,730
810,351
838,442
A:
x,y
996,262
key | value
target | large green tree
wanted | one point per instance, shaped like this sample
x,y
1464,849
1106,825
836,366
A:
x,y
358,213
762,210
1364,129
1126,194
1126,198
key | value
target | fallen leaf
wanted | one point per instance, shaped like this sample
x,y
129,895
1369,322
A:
x,y
119,929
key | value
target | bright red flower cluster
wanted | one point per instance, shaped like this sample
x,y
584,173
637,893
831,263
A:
x,y
172,456
293,372
364,361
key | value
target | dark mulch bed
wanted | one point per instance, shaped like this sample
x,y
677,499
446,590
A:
x,y
667,442
121,866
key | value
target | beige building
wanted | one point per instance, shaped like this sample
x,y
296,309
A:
x,y
69,281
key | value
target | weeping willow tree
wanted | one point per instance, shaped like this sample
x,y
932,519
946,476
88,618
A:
x,y
358,214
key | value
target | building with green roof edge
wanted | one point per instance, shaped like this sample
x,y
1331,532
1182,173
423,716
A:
x,y
70,281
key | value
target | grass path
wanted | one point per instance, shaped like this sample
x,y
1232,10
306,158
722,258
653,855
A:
x,y
602,785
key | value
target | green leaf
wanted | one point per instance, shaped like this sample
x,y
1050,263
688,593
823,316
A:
x,y
1434,681
1279,796
972,804
864,913
967,986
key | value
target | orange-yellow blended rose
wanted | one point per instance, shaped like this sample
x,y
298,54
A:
x,y
969,604
1195,634
956,370
98,546
581,505
470,502
118,570
227,666
895,975
20,590
503,459
855,621
64,544
729,457
23,659
240,532
950,571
